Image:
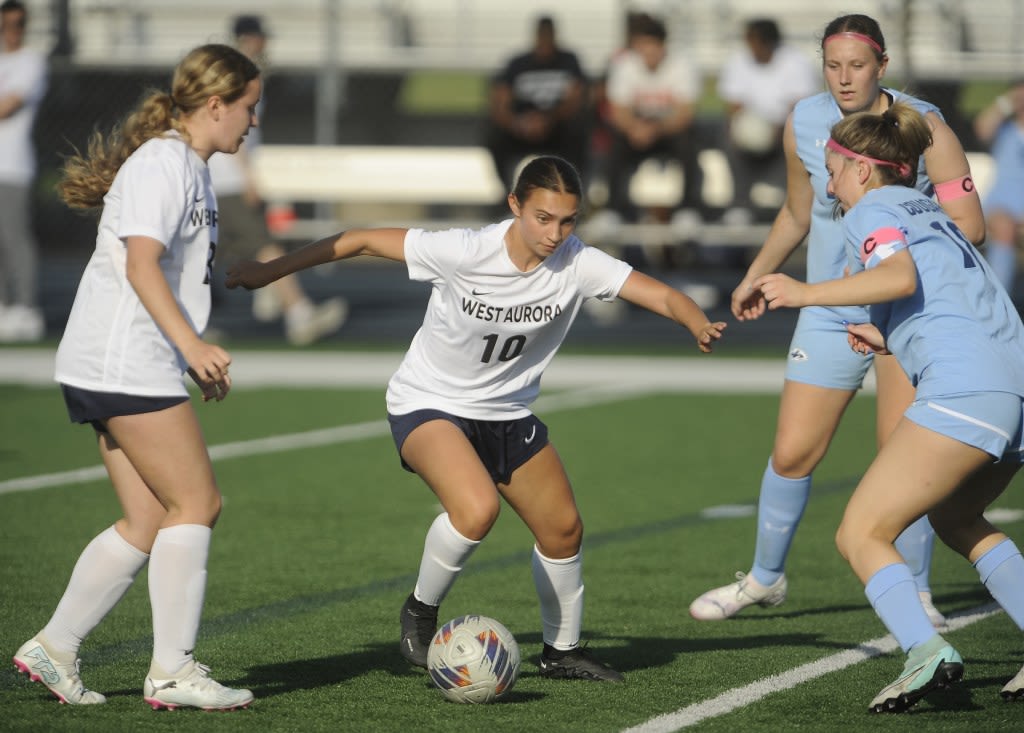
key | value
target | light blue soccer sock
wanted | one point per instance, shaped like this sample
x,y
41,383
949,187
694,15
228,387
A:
x,y
893,595
915,544
779,509
1002,571
1003,260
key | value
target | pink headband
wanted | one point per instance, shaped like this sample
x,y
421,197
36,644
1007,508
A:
x,y
858,37
902,168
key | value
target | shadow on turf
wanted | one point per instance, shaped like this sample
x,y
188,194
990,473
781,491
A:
x,y
281,678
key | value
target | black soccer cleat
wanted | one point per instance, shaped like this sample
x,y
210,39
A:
x,y
419,622
575,664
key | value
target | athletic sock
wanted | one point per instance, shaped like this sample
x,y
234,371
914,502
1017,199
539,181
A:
x,y
560,589
893,594
445,552
1002,571
779,509
915,544
177,587
104,571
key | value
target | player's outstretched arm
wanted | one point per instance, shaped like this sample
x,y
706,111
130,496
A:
x,y
657,297
388,243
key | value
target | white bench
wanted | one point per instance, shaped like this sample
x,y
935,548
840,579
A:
x,y
361,185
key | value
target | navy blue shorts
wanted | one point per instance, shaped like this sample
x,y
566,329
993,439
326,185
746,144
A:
x,y
502,445
86,406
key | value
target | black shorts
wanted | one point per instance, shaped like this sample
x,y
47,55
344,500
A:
x,y
86,406
502,445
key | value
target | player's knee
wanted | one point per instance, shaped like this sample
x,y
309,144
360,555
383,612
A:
x,y
790,461
473,520
562,540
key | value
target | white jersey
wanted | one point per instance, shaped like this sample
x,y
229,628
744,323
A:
x,y
652,94
490,329
111,343
769,90
22,74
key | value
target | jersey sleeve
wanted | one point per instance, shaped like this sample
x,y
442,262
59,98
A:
x,y
600,275
875,234
154,197
433,256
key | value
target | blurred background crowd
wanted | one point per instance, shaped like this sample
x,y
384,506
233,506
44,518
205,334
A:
x,y
671,109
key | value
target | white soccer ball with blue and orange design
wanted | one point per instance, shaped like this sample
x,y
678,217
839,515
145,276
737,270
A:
x,y
473,659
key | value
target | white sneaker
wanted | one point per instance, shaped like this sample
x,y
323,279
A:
x,y
266,306
603,226
191,687
686,223
738,216
306,323
22,324
1014,689
937,619
60,676
727,601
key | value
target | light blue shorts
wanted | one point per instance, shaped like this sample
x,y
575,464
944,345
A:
x,y
990,421
820,354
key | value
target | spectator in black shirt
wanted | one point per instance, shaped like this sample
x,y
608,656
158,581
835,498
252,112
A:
x,y
536,106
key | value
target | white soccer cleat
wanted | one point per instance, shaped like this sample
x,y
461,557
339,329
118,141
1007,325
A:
x,y
1014,689
307,323
191,687
266,306
934,615
727,601
61,677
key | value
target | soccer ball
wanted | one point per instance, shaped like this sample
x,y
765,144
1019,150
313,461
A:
x,y
473,659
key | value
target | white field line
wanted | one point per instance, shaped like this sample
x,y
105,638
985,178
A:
x,y
591,380
748,694
316,438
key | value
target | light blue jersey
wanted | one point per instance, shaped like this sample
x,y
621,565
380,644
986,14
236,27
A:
x,y
1007,192
959,333
818,352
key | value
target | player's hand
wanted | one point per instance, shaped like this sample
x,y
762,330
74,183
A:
x,y
208,366
708,334
747,302
865,338
781,291
248,274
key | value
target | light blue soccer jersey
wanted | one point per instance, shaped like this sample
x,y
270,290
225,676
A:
x,y
959,332
813,118
1007,192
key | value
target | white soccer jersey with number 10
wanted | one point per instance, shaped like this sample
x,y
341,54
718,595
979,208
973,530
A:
x,y
490,329
111,344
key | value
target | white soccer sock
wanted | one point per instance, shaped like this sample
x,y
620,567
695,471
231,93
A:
x,y
560,589
177,586
445,551
104,571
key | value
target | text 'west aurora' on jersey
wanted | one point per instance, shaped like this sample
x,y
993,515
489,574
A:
x,y
515,314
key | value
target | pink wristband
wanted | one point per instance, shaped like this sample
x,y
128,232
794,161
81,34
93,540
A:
x,y
955,189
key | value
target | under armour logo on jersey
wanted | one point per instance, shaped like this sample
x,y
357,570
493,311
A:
x,y
798,355
820,143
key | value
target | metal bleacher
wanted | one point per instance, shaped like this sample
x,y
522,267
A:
x,y
932,37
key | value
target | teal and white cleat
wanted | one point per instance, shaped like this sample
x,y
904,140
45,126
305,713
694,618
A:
x,y
937,671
